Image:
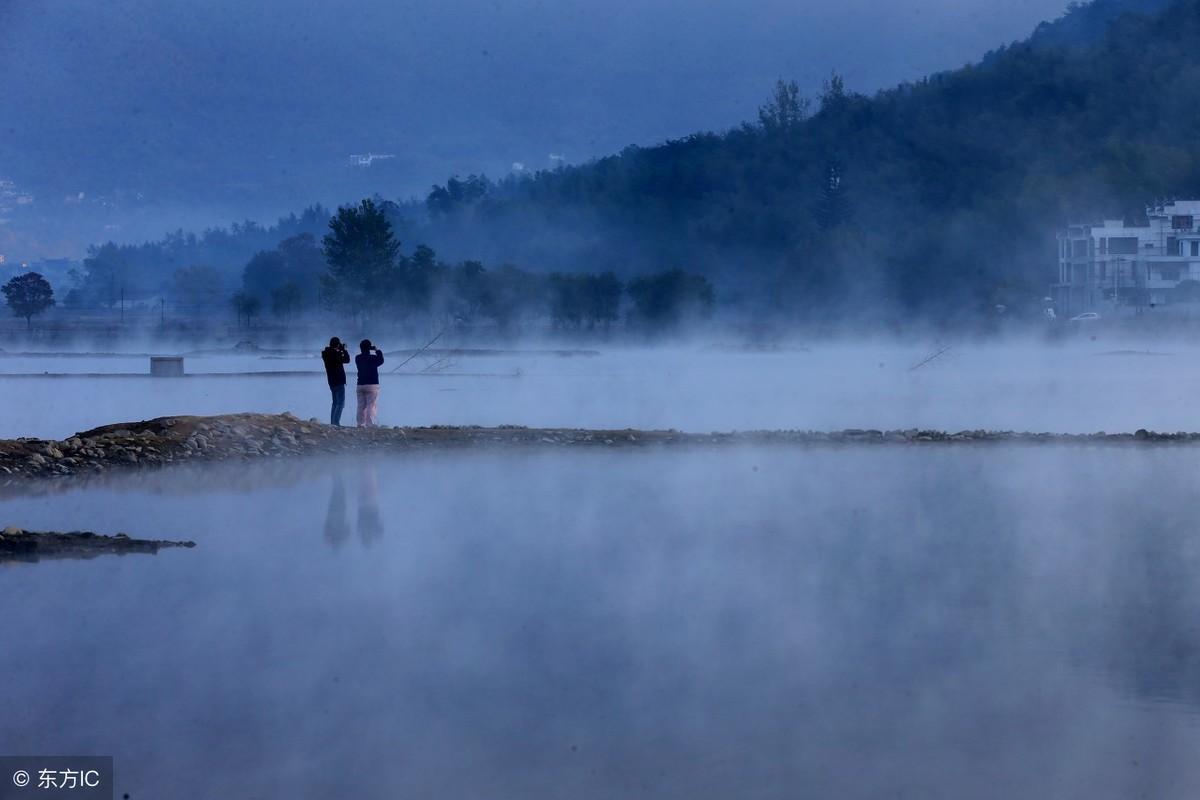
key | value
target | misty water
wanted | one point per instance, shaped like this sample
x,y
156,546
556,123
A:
x,y
860,622
1079,386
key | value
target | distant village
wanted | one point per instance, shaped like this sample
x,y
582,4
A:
x,y
1113,268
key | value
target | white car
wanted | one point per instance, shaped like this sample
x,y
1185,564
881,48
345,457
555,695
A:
x,y
1087,316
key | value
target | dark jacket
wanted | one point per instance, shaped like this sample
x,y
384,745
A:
x,y
368,368
334,370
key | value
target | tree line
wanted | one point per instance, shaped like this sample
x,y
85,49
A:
x,y
356,268
368,276
938,198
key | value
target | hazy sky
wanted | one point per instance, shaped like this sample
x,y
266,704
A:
x,y
252,108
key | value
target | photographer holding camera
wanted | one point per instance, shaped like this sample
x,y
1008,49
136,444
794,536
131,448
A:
x,y
335,357
368,362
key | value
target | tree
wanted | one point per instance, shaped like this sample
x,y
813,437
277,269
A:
x,y
603,303
264,273
786,110
27,295
198,286
667,298
457,194
286,299
246,305
303,263
361,252
416,278
106,272
296,261
566,300
833,209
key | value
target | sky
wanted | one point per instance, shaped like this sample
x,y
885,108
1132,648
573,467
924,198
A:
x,y
127,118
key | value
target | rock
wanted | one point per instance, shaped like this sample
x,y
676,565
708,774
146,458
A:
x,y
13,530
36,459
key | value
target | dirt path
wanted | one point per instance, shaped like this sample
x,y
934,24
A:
x,y
168,440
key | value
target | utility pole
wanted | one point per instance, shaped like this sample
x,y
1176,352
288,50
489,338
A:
x,y
122,304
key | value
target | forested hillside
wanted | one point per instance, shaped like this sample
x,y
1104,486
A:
x,y
938,197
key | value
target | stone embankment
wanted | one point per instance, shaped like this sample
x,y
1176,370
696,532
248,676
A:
x,y
32,546
169,440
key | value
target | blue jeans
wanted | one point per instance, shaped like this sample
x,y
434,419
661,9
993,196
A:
x,y
339,402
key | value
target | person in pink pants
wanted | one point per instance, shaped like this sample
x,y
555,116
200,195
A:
x,y
368,362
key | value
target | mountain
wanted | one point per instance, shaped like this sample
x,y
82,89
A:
x,y
1087,23
129,118
940,197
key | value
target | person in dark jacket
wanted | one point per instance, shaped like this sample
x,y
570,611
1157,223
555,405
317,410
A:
x,y
368,362
335,357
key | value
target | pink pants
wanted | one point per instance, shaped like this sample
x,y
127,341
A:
x,y
368,397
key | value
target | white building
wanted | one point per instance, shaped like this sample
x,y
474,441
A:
x,y
1110,266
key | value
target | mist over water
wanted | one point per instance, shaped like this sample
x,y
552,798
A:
x,y
704,217
1080,386
982,622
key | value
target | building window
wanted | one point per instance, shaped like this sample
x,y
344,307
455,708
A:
x,y
1181,222
1195,248
1123,245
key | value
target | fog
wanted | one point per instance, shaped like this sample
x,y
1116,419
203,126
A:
x,y
775,244
1077,386
983,622
185,114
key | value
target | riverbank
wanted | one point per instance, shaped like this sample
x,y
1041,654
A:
x,y
33,546
188,439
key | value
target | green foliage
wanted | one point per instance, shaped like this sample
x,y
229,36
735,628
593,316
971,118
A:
x,y
667,298
577,299
948,191
457,194
786,110
286,299
27,295
361,252
246,306
198,286
144,270
297,260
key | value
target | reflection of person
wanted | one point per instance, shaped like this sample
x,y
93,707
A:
x,y
336,527
368,363
335,356
370,518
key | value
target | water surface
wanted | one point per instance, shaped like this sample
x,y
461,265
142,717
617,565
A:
x,y
862,622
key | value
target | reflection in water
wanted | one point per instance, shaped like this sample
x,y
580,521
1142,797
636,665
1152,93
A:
x,y
370,518
370,515
337,529
978,622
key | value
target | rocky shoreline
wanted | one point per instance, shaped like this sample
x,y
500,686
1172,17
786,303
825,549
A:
x,y
33,546
187,439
